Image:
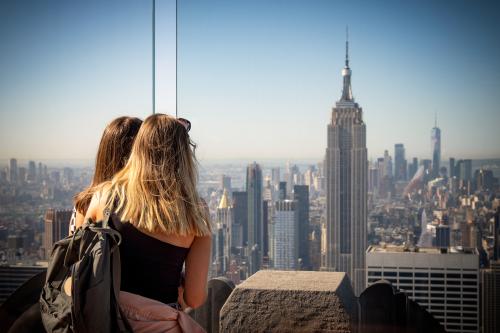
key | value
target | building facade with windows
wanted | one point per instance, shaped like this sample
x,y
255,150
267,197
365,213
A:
x,y
255,221
436,150
443,281
347,187
490,284
56,227
284,235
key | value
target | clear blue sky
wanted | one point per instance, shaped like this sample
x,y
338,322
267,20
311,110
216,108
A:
x,y
67,68
260,77
256,78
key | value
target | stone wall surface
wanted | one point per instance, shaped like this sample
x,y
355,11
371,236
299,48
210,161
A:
x,y
207,315
286,301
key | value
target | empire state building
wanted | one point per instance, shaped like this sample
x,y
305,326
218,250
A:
x,y
346,185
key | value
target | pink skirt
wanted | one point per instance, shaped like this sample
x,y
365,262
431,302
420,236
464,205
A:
x,y
148,315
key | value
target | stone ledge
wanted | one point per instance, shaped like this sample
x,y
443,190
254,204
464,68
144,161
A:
x,y
286,301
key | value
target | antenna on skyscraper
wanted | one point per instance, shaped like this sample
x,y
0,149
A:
x,y
435,119
346,46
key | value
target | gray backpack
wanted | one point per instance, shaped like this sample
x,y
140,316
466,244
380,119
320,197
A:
x,y
88,265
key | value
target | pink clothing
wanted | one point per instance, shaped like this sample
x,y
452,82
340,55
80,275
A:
x,y
148,315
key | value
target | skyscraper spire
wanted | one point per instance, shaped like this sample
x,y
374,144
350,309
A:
x,y
347,46
346,73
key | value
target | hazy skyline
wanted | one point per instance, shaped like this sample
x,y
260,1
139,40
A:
x,y
257,79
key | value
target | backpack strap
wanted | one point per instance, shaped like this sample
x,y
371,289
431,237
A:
x,y
122,322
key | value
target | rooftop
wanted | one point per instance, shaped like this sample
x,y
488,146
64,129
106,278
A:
x,y
294,280
427,250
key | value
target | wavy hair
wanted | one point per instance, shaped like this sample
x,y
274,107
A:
x,y
112,154
156,190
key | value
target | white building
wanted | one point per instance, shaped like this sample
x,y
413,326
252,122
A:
x,y
443,281
284,236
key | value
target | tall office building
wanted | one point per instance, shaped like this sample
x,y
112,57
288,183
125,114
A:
x,y
21,175
490,280
40,172
484,180
266,216
223,234
452,172
31,172
275,177
255,227
373,178
225,183
399,162
443,281
285,235
427,165
443,236
13,176
309,177
301,196
267,191
282,191
239,227
220,256
496,236
346,186
387,170
466,172
436,149
463,171
56,227
3,176
412,168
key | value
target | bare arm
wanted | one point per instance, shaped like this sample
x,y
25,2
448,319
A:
x,y
197,262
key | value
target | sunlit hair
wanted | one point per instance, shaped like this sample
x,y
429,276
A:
x,y
112,154
156,190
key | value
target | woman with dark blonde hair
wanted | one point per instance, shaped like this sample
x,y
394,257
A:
x,y
112,154
162,220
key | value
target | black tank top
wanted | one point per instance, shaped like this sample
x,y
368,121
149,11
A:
x,y
150,267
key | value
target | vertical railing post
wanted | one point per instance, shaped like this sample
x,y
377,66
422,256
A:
x,y
154,53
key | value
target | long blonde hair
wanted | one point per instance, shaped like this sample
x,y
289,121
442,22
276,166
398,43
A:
x,y
156,190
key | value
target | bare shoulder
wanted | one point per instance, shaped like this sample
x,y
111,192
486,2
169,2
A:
x,y
98,203
202,242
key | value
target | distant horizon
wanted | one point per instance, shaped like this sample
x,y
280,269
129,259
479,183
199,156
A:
x,y
56,162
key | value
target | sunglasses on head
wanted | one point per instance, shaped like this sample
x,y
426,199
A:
x,y
186,123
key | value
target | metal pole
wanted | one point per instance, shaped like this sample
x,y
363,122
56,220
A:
x,y
176,62
154,51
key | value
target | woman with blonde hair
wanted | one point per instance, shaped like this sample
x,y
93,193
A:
x,y
112,154
156,208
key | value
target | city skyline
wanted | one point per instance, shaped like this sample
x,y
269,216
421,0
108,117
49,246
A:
x,y
255,65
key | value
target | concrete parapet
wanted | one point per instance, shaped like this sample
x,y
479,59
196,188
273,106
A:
x,y
207,315
290,301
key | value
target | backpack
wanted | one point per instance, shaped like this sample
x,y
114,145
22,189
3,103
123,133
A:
x,y
83,282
